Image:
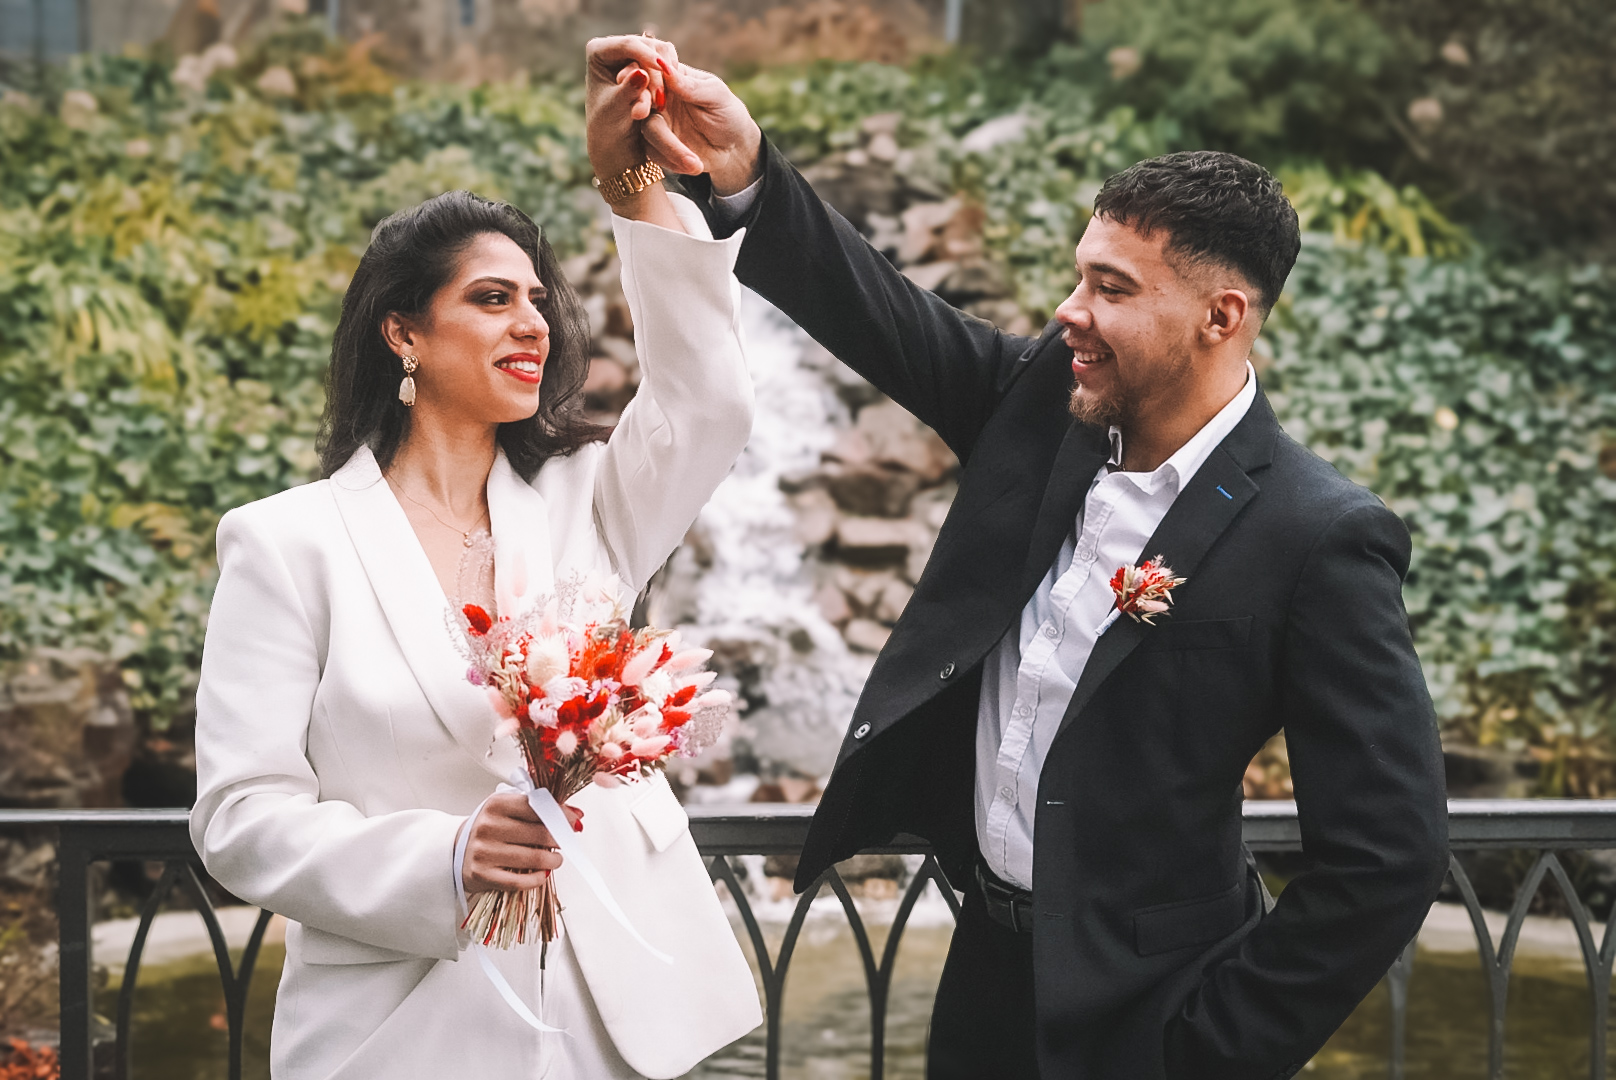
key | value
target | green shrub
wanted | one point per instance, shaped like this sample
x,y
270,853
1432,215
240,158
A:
x,y
1479,401
171,264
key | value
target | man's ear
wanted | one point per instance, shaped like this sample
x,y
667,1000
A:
x,y
398,333
1227,317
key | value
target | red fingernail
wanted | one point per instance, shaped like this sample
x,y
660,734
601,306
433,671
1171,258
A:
x,y
663,64
659,99
639,77
578,826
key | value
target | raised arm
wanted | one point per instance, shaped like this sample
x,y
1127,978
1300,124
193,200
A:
x,y
1369,791
693,413
946,367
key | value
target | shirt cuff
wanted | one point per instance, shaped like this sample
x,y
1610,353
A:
x,y
734,207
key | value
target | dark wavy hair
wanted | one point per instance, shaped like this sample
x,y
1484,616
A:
x,y
412,255
1215,207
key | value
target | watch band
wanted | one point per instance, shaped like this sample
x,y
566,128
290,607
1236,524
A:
x,y
628,183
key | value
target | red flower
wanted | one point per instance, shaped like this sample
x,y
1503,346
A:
x,y
478,619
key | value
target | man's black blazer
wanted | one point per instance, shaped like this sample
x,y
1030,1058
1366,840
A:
x,y
1153,955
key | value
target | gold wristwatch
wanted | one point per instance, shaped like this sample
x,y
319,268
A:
x,y
628,183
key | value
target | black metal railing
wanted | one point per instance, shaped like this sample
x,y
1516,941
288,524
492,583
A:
x,y
1544,827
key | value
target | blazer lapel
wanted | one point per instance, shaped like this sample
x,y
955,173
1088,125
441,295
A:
x,y
416,608
1081,454
524,572
1206,507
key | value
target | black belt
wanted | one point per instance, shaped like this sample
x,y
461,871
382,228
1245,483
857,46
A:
x,y
1008,906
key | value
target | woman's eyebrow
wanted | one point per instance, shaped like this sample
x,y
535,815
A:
x,y
503,283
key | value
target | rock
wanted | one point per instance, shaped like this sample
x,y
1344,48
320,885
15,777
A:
x,y
898,440
816,516
607,385
871,490
883,148
895,596
865,867
930,276
595,309
921,225
994,133
850,448
885,123
876,540
832,604
862,587
866,635
67,732
620,349
974,279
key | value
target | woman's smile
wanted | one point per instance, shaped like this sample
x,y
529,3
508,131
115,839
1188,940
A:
x,y
528,367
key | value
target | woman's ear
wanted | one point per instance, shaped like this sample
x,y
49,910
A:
x,y
398,333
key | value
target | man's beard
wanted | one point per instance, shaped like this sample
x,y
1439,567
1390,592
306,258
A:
x,y
1088,407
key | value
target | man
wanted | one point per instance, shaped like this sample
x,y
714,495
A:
x,y
1079,773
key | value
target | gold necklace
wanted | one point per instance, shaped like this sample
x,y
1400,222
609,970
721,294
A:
x,y
465,534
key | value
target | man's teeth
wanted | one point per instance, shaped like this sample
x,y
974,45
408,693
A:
x,y
1088,357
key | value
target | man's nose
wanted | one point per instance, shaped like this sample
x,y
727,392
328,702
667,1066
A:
x,y
1074,313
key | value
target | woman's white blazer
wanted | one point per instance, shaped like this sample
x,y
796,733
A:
x,y
340,747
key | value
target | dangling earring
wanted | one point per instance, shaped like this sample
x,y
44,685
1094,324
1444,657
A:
x,y
406,389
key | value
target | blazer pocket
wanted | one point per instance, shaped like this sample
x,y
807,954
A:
x,y
322,947
658,811
1183,923
1202,634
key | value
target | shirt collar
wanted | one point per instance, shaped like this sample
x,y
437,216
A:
x,y
1188,459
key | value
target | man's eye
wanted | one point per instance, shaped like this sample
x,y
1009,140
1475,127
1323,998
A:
x,y
1107,290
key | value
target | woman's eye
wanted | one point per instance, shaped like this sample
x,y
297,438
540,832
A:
x,y
494,298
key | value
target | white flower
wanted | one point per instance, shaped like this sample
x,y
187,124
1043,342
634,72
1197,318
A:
x,y
546,659
566,743
656,687
645,721
565,688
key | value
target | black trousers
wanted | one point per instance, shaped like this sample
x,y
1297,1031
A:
x,y
983,1026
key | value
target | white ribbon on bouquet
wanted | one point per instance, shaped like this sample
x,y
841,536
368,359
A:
x,y
555,820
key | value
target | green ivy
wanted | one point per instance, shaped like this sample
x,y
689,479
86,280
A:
x,y
1480,402
171,267
172,261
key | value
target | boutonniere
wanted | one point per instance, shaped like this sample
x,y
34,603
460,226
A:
x,y
1143,592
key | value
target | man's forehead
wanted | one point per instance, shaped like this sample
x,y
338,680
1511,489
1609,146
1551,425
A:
x,y
1122,246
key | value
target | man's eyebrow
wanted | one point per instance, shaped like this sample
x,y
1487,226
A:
x,y
1111,271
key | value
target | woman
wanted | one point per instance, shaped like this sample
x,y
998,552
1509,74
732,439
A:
x,y
340,750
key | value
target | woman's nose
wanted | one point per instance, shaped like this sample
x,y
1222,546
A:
x,y
530,322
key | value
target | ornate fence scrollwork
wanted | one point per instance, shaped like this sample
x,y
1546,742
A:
x,y
1544,827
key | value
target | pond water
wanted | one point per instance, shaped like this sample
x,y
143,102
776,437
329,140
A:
x,y
179,1015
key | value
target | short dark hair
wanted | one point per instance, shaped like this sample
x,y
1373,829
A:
x,y
1214,207
412,255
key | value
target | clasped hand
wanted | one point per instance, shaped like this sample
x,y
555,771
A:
x,y
642,105
508,846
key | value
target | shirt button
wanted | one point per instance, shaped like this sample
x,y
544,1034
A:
x,y
1051,632
861,731
948,669
1006,793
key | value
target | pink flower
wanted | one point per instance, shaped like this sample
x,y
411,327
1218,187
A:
x,y
651,748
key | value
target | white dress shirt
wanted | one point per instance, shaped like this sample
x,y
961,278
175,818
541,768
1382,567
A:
x,y
1029,677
